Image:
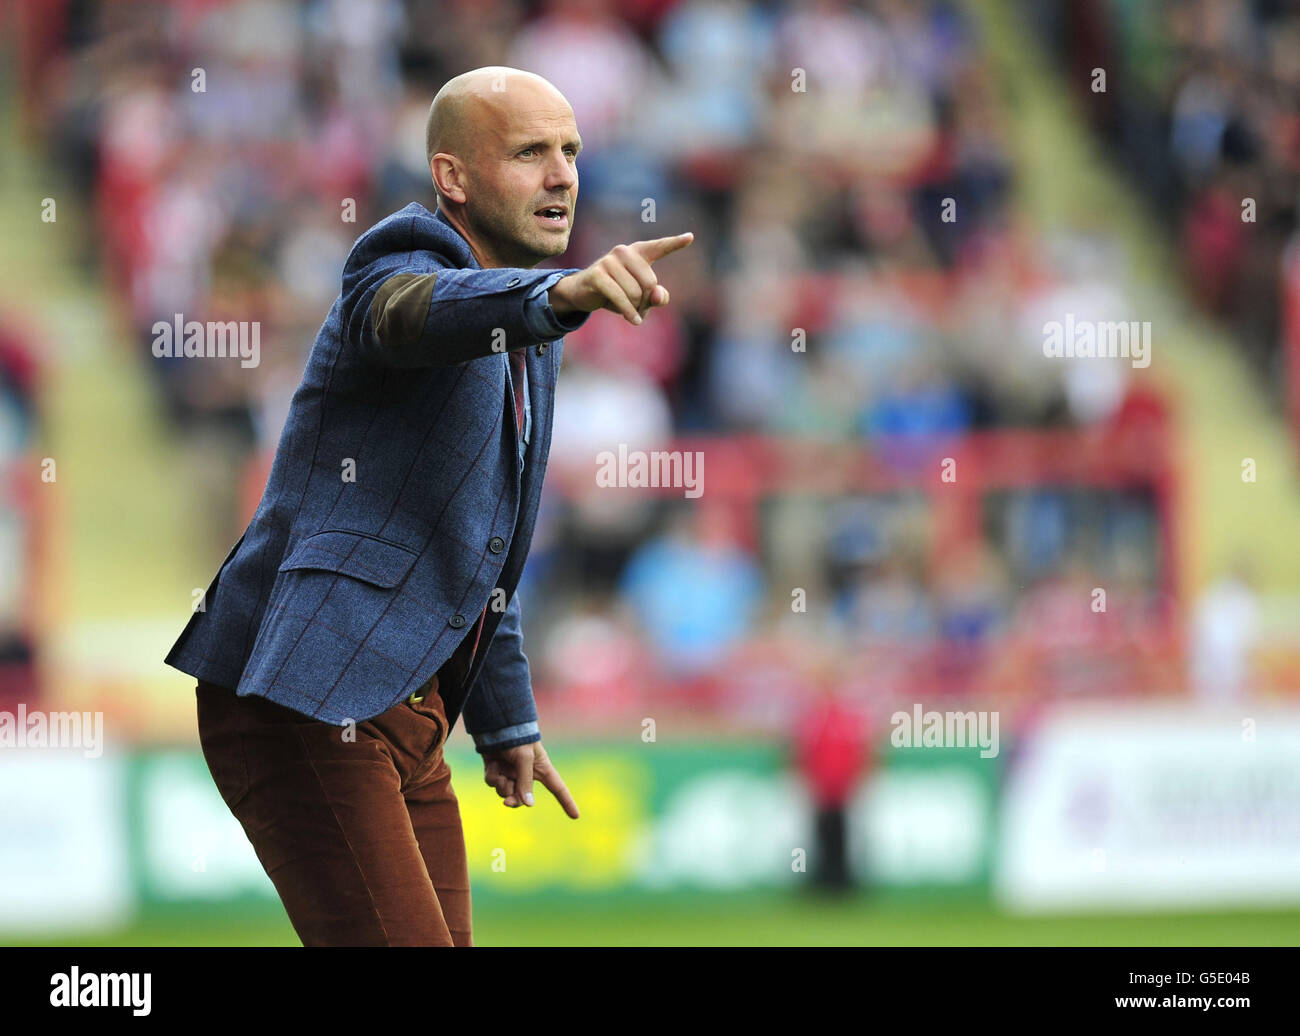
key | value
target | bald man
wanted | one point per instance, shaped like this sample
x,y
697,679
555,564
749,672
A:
x,y
372,599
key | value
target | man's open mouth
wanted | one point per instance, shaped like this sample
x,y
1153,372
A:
x,y
554,214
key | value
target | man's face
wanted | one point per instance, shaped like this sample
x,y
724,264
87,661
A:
x,y
523,163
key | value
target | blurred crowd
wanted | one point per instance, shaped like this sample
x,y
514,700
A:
x,y
857,276
19,510
1203,108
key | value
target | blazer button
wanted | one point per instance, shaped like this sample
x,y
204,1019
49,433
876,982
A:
x,y
496,544
512,282
457,621
541,349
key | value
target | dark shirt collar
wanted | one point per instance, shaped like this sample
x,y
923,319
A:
x,y
438,214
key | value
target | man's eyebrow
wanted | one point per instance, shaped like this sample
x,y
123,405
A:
x,y
575,143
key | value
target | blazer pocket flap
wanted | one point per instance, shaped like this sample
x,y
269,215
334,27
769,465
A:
x,y
374,561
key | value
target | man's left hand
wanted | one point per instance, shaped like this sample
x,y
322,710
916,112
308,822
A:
x,y
511,772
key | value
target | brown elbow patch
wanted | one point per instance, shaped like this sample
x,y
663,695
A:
x,y
401,306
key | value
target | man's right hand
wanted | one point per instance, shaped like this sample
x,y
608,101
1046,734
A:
x,y
621,280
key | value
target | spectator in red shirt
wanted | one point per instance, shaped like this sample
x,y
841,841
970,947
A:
x,y
831,753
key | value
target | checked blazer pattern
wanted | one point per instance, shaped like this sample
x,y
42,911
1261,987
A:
x,y
346,595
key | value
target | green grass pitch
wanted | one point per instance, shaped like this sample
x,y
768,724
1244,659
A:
x,y
744,920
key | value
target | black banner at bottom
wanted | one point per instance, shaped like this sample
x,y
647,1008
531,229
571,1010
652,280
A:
x,y
615,986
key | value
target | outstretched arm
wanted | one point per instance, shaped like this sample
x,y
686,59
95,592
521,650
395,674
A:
x,y
413,308
404,318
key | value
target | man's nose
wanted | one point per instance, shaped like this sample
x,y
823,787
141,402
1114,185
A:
x,y
561,175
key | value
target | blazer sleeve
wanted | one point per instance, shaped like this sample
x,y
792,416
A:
x,y
500,711
405,303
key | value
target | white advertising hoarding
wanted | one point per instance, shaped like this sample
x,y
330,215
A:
x,y
64,855
1175,805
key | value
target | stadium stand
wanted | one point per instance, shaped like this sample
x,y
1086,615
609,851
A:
x,y
865,223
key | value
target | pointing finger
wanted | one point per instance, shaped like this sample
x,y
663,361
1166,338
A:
x,y
662,246
554,783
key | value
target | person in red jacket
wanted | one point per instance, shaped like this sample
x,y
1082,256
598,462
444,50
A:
x,y
831,754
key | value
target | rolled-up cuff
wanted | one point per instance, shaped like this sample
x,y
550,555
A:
x,y
507,737
543,321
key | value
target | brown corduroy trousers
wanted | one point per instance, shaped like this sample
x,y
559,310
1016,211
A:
x,y
358,828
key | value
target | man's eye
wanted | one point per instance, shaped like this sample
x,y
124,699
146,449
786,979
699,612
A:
x,y
526,150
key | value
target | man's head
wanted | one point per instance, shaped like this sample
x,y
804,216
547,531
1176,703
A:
x,y
502,145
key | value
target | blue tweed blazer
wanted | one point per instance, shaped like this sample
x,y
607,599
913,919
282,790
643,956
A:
x,y
396,507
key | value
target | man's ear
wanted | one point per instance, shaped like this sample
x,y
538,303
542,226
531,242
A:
x,y
446,174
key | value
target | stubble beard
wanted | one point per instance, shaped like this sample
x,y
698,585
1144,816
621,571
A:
x,y
517,241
